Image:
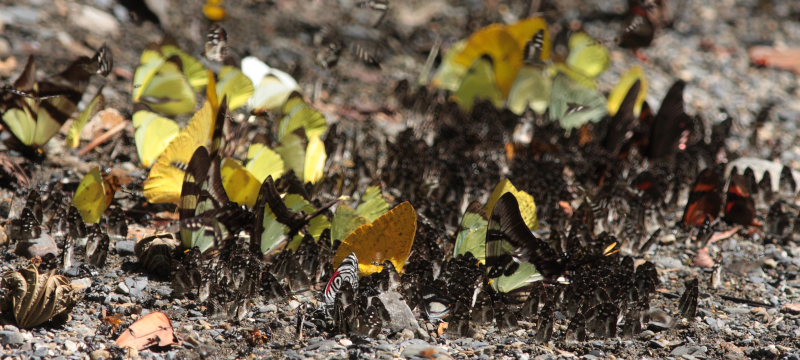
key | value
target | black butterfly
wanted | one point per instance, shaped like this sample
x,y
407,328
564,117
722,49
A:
x,y
207,216
668,124
507,230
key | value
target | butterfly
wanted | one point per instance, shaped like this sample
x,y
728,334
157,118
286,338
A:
x,y
97,104
163,183
216,47
94,195
514,256
668,124
705,199
280,220
207,216
167,78
638,30
740,207
346,219
573,103
35,110
621,123
479,84
347,272
272,86
390,237
97,246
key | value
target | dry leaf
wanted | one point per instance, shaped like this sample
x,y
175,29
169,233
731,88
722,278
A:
x,y
36,298
152,329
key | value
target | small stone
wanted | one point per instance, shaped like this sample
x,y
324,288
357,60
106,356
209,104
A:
x,y
123,288
791,308
41,247
345,342
406,334
70,346
95,20
693,350
770,263
100,355
667,239
401,316
11,338
271,308
424,351
125,247
83,283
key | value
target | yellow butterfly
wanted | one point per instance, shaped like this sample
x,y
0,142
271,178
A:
x,y
35,110
153,134
619,92
479,83
242,183
346,219
97,104
94,195
163,184
389,237
167,79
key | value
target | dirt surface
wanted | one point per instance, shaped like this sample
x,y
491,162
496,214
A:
x,y
438,160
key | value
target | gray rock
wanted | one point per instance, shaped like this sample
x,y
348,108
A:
x,y
400,313
11,338
42,246
125,247
693,350
20,14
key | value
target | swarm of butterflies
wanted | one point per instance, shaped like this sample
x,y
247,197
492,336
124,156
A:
x,y
583,187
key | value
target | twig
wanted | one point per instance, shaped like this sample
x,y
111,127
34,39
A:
x,y
103,138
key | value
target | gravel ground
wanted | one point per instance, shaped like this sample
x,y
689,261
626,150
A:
x,y
707,47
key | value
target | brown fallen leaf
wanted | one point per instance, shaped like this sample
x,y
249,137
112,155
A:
x,y
781,58
152,329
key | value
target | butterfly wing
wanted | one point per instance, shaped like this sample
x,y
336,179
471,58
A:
x,y
510,245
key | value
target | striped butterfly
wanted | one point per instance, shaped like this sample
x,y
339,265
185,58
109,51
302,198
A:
x,y
346,272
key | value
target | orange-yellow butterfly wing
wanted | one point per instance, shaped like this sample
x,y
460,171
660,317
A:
x,y
389,237
495,41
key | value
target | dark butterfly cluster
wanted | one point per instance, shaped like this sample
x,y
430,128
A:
x,y
51,229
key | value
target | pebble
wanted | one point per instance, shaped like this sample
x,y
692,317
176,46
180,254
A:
x,y
693,350
70,346
11,338
20,14
42,246
100,355
400,315
125,247
95,20
424,351
791,308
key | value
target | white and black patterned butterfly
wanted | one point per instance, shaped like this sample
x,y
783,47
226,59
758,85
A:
x,y
347,272
216,48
